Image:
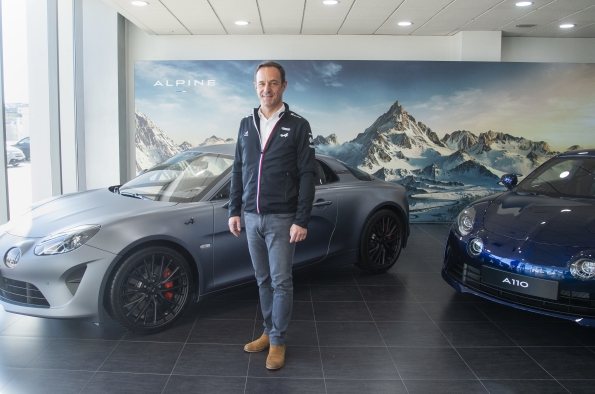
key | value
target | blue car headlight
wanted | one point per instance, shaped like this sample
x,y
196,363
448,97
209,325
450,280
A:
x,y
66,241
465,221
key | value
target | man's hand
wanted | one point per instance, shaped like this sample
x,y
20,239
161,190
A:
x,y
235,225
297,233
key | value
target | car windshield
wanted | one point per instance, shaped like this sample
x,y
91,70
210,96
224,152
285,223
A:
x,y
562,177
185,177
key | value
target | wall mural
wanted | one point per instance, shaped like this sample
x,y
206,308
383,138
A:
x,y
445,130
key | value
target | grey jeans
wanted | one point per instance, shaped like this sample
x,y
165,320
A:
x,y
272,258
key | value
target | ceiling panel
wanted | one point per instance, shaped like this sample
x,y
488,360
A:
x,y
359,17
425,4
584,32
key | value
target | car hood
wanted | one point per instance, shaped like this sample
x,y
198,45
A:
x,y
91,207
542,219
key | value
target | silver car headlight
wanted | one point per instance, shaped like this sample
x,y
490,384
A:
x,y
66,241
583,269
465,221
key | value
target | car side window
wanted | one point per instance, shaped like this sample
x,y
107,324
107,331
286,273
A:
x,y
324,174
223,193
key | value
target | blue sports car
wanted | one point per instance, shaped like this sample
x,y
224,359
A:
x,y
532,247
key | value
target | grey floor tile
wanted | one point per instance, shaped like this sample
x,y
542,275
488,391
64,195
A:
x,y
6,375
398,311
35,327
527,387
450,386
143,357
386,279
227,309
474,334
74,354
205,385
47,381
125,383
336,293
302,310
285,386
412,334
335,386
497,363
299,333
229,332
433,279
386,293
342,311
444,294
453,312
19,352
348,334
213,360
179,332
539,333
358,363
563,362
445,363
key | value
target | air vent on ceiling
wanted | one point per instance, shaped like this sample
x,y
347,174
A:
x,y
526,25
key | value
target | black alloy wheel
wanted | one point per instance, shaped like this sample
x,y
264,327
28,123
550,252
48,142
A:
x,y
381,242
150,290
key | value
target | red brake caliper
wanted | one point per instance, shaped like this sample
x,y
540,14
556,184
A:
x,y
169,295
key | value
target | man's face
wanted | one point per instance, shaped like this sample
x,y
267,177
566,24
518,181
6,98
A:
x,y
269,87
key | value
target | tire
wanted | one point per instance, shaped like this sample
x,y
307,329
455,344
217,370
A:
x,y
141,298
381,242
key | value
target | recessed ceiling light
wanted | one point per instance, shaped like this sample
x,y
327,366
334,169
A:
x,y
405,23
242,23
527,25
524,3
139,3
567,25
330,2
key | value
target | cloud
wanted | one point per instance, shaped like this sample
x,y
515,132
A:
x,y
329,72
299,87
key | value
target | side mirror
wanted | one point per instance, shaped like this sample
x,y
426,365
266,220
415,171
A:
x,y
509,181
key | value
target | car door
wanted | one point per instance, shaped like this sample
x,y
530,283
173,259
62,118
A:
x,y
232,261
322,221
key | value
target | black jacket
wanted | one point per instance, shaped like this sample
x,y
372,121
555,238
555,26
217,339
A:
x,y
280,178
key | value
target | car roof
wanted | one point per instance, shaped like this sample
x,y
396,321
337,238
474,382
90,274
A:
x,y
581,152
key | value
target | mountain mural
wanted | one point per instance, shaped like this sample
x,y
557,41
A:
x,y
154,146
440,174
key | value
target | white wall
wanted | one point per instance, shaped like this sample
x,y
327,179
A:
x,y
100,53
550,50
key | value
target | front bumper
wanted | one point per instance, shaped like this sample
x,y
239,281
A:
x,y
575,299
57,286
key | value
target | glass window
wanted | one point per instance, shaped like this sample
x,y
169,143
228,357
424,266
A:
x,y
183,178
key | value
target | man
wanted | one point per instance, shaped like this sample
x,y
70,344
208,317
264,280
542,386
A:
x,y
273,176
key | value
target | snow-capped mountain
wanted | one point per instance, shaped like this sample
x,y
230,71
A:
x,y
153,146
437,173
185,146
214,140
330,140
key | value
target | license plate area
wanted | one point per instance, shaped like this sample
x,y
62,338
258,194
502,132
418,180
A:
x,y
519,283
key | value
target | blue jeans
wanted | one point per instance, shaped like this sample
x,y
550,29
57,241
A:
x,y
272,258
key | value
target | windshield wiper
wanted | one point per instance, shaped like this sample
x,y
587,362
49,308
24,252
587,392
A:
x,y
135,195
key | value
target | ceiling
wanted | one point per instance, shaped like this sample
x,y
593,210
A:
x,y
361,17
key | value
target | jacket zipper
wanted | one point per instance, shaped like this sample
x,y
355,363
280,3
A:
x,y
262,159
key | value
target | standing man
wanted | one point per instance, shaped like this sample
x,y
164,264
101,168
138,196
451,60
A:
x,y
273,176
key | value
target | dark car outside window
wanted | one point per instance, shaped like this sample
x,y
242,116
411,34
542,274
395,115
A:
x,y
564,177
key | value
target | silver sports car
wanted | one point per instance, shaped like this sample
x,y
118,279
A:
x,y
142,250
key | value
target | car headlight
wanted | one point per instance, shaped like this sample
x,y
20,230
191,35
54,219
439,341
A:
x,y
465,221
66,241
583,269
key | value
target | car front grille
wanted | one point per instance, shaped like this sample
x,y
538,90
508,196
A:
x,y
19,292
569,302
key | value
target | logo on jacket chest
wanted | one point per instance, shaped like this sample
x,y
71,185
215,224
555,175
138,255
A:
x,y
246,133
284,129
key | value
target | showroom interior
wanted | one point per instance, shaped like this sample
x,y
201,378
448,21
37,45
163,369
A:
x,y
78,93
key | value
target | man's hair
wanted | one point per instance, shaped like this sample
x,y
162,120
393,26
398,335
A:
x,y
271,64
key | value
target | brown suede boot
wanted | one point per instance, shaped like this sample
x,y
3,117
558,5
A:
x,y
276,358
259,345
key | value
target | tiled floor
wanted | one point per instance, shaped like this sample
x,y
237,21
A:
x,y
405,331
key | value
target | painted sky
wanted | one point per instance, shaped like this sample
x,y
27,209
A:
x,y
544,102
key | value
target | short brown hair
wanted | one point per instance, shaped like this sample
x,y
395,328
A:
x,y
271,64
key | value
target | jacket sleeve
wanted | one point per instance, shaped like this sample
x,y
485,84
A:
x,y
306,173
237,188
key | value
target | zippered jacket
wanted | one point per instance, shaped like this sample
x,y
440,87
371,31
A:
x,y
278,179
